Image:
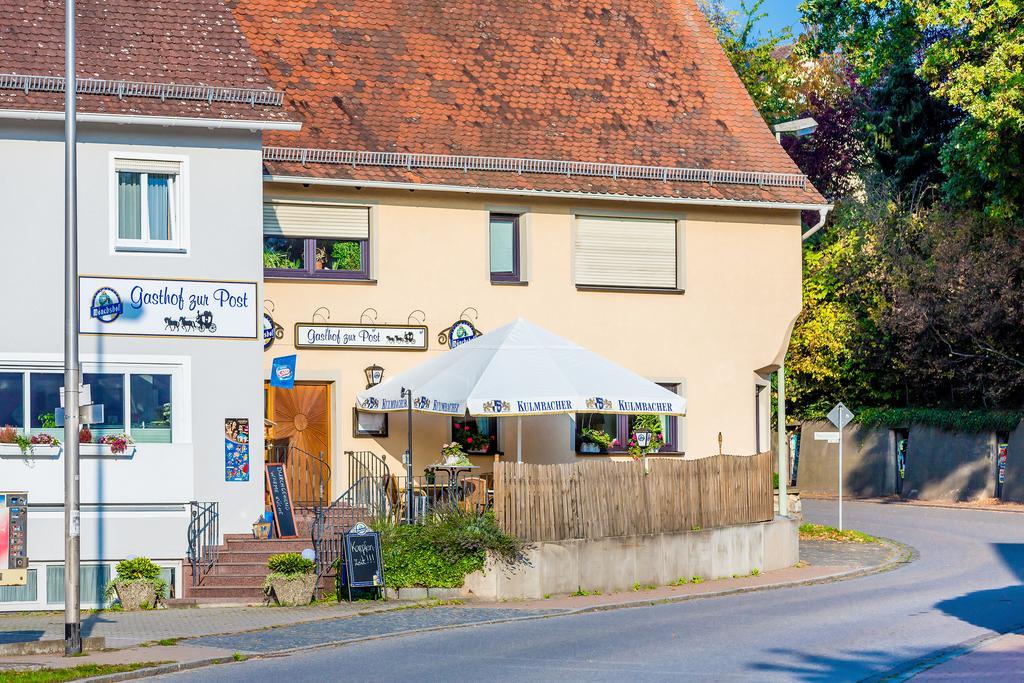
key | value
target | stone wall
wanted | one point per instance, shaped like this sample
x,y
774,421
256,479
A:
x,y
616,564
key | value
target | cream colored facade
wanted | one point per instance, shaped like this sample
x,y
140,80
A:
x,y
719,338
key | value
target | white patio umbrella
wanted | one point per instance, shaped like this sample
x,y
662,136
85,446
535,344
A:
x,y
516,370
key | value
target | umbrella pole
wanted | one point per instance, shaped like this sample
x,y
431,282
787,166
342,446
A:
x,y
519,438
408,461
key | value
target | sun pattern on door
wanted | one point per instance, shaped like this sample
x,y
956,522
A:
x,y
302,417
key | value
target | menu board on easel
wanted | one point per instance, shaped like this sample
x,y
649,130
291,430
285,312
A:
x,y
281,499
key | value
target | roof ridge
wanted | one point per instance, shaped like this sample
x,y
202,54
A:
x,y
520,165
123,88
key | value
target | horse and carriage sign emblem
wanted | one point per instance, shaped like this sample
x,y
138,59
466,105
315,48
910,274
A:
x,y
168,308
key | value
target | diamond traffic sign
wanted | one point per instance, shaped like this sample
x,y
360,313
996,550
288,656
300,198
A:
x,y
840,416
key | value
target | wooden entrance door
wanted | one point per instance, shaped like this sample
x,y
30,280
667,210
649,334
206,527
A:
x,y
302,425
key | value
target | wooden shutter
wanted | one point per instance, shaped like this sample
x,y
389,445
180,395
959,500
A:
x,y
331,221
625,252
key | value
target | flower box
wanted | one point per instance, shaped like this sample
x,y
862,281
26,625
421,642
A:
x,y
102,450
11,450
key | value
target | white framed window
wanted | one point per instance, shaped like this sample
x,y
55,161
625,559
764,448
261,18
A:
x,y
143,401
148,203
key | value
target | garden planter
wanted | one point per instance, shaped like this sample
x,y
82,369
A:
x,y
11,450
102,450
296,591
134,595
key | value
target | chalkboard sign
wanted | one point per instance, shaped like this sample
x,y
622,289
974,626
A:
x,y
363,568
281,498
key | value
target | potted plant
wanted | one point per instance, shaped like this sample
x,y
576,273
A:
x,y
471,440
652,423
12,436
429,475
595,441
291,580
85,434
138,584
118,443
452,455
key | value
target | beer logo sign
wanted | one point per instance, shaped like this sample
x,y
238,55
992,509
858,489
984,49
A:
x,y
106,305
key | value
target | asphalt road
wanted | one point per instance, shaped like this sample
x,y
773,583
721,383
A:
x,y
964,584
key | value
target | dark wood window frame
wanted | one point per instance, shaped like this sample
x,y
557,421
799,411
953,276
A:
x,y
309,269
516,274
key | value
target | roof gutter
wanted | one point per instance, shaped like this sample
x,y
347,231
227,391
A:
x,y
164,121
387,185
822,215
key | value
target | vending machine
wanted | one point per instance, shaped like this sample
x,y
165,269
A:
x,y
13,538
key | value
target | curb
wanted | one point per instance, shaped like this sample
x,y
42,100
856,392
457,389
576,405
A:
x,y
900,554
917,504
908,670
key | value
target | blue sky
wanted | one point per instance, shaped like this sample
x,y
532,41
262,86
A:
x,y
781,13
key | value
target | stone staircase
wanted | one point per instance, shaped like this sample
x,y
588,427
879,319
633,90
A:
x,y
237,575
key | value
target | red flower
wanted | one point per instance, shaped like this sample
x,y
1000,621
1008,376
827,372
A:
x,y
469,440
458,426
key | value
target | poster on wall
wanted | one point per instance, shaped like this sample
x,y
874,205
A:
x,y
236,449
136,306
352,336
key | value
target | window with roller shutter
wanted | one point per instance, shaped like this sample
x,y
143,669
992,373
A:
x,y
632,253
321,240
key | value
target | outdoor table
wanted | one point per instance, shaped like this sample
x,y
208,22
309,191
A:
x,y
453,474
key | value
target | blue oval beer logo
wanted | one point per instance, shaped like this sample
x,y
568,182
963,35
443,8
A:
x,y
106,305
268,331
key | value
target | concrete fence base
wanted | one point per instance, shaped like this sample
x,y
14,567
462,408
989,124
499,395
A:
x,y
616,564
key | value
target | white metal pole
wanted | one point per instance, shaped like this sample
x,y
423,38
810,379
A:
x,y
840,478
519,438
783,445
72,370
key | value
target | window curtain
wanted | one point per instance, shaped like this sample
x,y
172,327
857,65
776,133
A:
x,y
129,206
158,201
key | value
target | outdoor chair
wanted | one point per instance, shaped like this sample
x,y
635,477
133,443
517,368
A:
x,y
474,497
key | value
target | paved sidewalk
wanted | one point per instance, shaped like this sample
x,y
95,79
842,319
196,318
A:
x,y
215,634
125,629
1000,659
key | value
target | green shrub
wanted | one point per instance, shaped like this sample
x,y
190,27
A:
x,y
290,564
972,421
138,569
450,544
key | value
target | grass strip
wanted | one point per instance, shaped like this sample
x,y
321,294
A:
x,y
72,673
821,532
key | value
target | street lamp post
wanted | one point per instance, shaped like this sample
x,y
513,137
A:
x,y
72,370
643,441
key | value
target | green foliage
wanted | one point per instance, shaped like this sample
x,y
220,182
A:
x,y
770,81
290,565
346,256
137,569
697,579
71,673
775,480
279,258
450,544
840,346
47,420
971,421
596,436
821,532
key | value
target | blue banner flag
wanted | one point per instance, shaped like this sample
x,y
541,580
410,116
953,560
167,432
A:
x,y
282,372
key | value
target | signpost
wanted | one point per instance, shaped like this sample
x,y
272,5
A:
x,y
840,416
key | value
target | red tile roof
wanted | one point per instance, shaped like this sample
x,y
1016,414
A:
x,y
629,82
194,42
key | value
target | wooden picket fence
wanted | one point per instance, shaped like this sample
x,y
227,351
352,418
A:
x,y
599,499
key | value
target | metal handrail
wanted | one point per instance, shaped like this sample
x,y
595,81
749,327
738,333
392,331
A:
x,y
308,474
364,500
203,538
366,464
